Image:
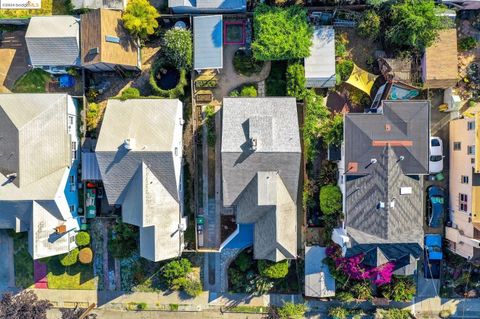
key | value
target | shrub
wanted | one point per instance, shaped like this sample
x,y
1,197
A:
x,y
174,93
243,262
362,290
344,296
445,314
281,33
273,270
330,199
246,64
178,47
248,91
369,25
332,130
125,241
192,287
140,18
338,312
82,238
315,113
392,313
289,310
343,70
92,116
296,80
340,48
85,255
141,306
70,258
176,269
467,43
130,93
401,289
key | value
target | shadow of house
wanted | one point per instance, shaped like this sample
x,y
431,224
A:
x,y
18,64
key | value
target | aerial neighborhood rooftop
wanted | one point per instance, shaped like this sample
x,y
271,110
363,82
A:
x,y
255,159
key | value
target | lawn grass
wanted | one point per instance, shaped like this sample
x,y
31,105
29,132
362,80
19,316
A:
x,y
276,82
49,7
33,81
23,261
78,276
248,309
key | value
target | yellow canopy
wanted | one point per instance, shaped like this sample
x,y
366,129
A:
x,y
361,79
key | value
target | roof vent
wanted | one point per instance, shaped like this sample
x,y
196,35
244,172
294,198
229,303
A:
x,y
388,127
373,161
253,144
129,143
392,204
94,51
381,205
405,190
11,177
112,39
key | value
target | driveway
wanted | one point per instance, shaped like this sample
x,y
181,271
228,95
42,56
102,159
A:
x,y
13,59
7,274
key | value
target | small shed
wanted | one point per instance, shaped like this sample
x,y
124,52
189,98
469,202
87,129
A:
x,y
319,283
90,170
320,65
208,42
440,61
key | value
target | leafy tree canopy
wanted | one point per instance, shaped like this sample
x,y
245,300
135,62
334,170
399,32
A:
x,y
413,24
296,80
273,270
23,306
140,18
176,269
82,238
178,47
281,33
330,199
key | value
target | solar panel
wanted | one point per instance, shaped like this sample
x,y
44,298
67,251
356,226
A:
x,y
110,38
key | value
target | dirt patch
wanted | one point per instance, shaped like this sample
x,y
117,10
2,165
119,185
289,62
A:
x,y
360,50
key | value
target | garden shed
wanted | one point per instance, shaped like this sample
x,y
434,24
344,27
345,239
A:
x,y
320,65
319,283
440,61
208,42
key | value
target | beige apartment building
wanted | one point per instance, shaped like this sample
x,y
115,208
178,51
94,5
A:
x,y
464,233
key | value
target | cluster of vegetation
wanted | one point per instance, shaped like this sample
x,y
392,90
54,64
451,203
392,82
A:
x,y
140,18
82,253
392,313
289,310
281,33
130,93
245,91
124,242
247,275
178,275
210,122
160,67
468,43
23,261
92,116
33,81
296,80
245,63
401,289
369,25
24,305
330,199
276,83
177,48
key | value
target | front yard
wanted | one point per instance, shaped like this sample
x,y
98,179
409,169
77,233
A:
x,y
78,276
49,7
34,81
23,261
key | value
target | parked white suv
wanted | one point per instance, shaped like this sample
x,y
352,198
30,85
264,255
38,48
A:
x,y
436,155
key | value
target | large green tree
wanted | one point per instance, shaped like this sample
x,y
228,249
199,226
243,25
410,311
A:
x,y
178,47
413,24
140,18
281,33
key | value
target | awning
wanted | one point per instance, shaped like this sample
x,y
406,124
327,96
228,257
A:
x,y
362,79
90,171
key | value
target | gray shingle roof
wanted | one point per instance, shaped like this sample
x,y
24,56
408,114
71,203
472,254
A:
x,y
53,41
263,184
403,124
208,42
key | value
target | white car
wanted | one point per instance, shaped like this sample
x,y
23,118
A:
x,y
436,155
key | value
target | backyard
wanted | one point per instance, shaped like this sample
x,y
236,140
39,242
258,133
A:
x,y
49,7
34,81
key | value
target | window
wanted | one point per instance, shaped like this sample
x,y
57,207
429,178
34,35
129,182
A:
x,y
457,146
71,119
471,149
72,208
74,150
472,160
464,179
470,125
72,180
462,203
176,151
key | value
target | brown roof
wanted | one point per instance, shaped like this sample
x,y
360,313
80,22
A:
x,y
95,27
440,69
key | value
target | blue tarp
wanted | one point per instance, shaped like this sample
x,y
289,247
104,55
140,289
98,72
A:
x,y
244,237
66,81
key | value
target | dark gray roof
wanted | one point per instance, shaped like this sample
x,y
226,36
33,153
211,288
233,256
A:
x,y
384,206
404,125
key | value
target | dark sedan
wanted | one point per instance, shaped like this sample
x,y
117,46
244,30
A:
x,y
435,206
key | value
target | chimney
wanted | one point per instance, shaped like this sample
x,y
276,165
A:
x,y
388,127
129,143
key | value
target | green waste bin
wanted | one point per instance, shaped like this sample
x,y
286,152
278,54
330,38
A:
x,y
440,177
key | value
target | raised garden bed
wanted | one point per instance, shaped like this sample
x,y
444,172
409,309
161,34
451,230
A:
x,y
234,32
166,81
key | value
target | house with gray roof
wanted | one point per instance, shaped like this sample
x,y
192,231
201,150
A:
x,y
207,6
261,156
385,155
38,170
207,42
139,154
53,42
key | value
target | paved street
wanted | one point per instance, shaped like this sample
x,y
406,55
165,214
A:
x,y
7,274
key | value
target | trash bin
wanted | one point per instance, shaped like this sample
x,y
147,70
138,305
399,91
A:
x,y
440,177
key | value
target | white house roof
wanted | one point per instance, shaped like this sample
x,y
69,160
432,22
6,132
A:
x,y
208,42
320,65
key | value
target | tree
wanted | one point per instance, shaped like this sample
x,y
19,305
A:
x,y
70,258
338,312
400,289
315,113
243,262
296,80
193,287
248,91
140,18
177,46
85,256
369,25
176,269
413,24
281,33
330,199
24,305
130,93
273,270
289,310
332,130
82,238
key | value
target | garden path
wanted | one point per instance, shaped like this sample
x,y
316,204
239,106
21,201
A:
x,y
229,79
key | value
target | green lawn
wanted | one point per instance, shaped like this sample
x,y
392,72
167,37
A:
x,y
33,81
49,7
78,276
23,261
